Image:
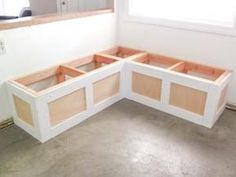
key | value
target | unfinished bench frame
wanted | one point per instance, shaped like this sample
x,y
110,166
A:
x,y
49,102
192,91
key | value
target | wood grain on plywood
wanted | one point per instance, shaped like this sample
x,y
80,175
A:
x,y
147,86
67,106
188,98
106,88
23,110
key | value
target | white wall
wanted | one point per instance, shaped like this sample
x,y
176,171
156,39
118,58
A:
x,y
207,48
33,48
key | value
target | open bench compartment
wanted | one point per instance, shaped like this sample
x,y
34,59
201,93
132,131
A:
x,y
199,70
102,89
147,85
157,61
26,91
91,63
122,53
46,79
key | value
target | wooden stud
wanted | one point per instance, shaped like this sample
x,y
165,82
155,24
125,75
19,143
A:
x,y
102,58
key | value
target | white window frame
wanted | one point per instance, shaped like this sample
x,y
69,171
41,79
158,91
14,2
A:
x,y
199,27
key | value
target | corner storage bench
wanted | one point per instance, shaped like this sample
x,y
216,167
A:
x,y
51,101
192,91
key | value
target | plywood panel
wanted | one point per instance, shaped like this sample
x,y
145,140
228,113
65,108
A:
x,y
147,86
23,110
187,98
106,88
67,106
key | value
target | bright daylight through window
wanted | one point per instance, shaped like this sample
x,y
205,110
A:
x,y
208,12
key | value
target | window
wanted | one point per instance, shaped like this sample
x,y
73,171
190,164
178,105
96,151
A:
x,y
12,7
211,13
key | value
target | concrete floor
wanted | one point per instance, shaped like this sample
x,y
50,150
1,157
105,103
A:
x,y
125,140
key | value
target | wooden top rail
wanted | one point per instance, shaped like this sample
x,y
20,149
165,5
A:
x,y
49,18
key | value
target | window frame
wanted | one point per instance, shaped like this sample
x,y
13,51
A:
x,y
182,25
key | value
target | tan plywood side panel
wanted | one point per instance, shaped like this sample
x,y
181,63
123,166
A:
x,y
106,88
67,106
23,110
187,98
147,86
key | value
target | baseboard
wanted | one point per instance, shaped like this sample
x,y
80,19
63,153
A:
x,y
6,123
231,106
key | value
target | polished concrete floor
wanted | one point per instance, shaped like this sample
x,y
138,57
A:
x,y
125,140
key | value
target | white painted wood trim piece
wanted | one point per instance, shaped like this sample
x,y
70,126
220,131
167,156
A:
x,y
212,113
165,92
213,97
43,118
218,114
225,81
89,96
128,72
124,80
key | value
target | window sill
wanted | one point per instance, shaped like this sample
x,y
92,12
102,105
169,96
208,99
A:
x,y
30,21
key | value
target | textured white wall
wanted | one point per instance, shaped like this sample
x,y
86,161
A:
x,y
33,48
207,48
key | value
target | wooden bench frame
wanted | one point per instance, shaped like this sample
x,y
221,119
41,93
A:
x,y
47,113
